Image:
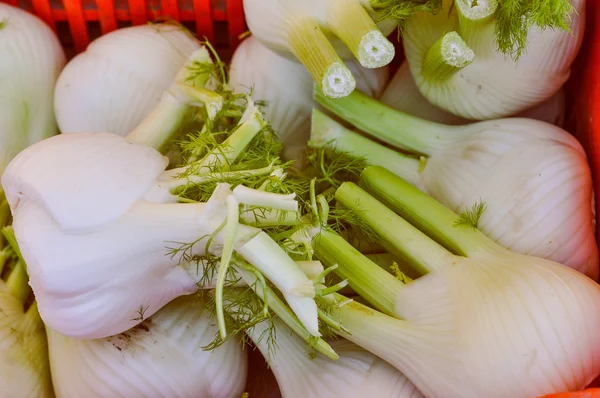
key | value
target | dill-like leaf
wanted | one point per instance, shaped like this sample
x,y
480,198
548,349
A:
x,y
243,310
3,23
470,217
401,10
515,18
183,249
333,167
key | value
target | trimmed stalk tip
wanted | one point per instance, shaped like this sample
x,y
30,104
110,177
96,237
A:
x,y
338,81
375,50
447,56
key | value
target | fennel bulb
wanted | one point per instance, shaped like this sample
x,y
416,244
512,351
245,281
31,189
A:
x,y
106,244
31,61
532,177
286,86
453,58
320,34
160,357
355,374
127,70
484,321
402,94
23,345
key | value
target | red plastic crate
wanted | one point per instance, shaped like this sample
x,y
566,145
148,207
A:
x,y
77,22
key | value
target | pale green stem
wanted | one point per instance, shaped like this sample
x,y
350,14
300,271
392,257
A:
x,y
312,269
167,118
254,215
231,225
475,21
226,153
175,183
171,113
275,264
353,25
365,277
424,212
5,214
333,288
448,55
312,48
393,127
261,218
327,132
251,124
271,200
17,282
398,236
198,96
5,255
285,315
4,210
374,331
9,234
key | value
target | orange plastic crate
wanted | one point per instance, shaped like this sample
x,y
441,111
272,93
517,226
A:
x,y
78,22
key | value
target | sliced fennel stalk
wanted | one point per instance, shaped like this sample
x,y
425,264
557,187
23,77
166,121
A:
x,y
286,88
480,311
320,33
543,205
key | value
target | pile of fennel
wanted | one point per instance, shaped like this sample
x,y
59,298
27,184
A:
x,y
150,278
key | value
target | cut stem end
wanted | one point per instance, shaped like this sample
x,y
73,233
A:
x,y
479,11
312,48
353,25
375,50
338,81
447,56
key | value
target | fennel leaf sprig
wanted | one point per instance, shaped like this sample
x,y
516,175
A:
x,y
401,10
470,217
515,17
243,311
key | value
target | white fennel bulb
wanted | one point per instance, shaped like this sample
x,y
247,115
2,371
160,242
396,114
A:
x,y
161,357
23,345
320,34
31,61
477,319
456,65
355,374
287,89
532,177
104,238
127,70
402,94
